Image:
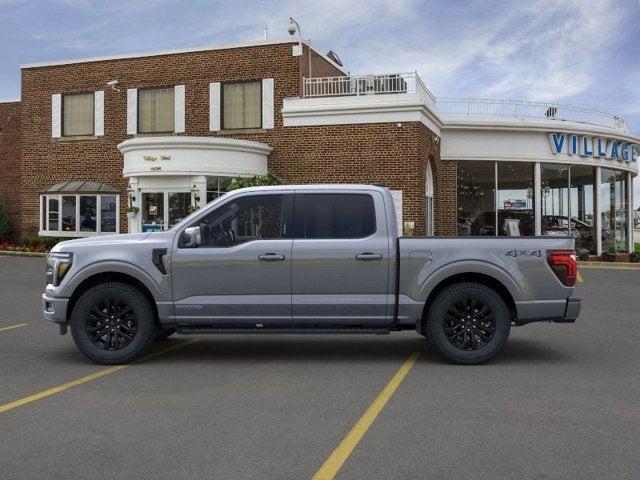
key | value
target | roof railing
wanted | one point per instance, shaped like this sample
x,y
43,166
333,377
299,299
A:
x,y
372,84
401,83
527,109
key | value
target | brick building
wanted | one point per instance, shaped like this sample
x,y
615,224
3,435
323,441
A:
x,y
166,131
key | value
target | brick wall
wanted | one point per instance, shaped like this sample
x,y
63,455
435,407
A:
x,y
45,161
367,153
9,161
444,180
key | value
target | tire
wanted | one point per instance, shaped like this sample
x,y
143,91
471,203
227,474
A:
x,y
113,323
164,333
468,323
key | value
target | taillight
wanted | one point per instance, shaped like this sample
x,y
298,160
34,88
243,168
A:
x,y
564,265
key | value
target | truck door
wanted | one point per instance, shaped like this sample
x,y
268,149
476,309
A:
x,y
240,274
340,269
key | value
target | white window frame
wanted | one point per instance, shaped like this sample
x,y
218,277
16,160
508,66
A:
x,y
44,215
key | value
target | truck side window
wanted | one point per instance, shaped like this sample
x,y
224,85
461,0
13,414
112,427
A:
x,y
242,220
328,215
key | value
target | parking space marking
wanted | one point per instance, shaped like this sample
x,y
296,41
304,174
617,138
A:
x,y
334,463
579,278
88,378
11,327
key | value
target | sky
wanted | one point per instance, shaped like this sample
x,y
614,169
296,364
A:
x,y
577,52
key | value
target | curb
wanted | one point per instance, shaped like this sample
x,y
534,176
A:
x,y
610,265
11,253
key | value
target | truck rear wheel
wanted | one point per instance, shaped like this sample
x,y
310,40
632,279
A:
x,y
113,323
468,323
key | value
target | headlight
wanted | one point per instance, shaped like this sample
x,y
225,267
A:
x,y
58,264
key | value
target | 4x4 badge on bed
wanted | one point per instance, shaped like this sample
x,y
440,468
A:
x,y
526,253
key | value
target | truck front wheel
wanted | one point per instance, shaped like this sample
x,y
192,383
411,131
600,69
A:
x,y
468,323
113,323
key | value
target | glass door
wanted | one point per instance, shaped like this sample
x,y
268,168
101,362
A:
x,y
163,210
153,212
179,203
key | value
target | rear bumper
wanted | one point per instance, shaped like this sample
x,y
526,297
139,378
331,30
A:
x,y
572,311
54,309
559,311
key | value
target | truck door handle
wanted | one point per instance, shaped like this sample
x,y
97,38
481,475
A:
x,y
368,256
271,257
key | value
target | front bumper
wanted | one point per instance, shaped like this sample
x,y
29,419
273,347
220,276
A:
x,y
54,309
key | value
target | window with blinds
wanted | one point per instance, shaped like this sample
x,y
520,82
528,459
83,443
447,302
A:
x,y
78,114
156,110
242,105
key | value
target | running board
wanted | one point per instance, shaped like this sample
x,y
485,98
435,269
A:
x,y
201,329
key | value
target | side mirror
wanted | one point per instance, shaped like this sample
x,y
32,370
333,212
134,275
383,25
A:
x,y
191,237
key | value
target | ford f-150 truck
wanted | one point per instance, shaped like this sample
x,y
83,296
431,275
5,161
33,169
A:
x,y
305,259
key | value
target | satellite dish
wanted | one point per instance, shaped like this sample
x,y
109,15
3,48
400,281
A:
x,y
334,56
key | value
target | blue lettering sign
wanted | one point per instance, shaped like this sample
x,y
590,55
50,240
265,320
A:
x,y
573,145
614,150
597,147
586,147
557,142
624,151
601,147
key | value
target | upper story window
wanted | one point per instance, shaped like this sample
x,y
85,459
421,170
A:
x,y
78,114
156,110
241,105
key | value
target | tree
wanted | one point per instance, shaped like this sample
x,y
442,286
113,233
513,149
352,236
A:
x,y
4,221
255,181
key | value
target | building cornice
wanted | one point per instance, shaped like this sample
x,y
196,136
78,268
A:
x,y
176,52
522,125
391,108
199,143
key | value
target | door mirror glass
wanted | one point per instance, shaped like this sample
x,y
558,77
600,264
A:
x,y
191,237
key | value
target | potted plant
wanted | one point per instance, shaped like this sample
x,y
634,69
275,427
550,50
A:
x,y
610,255
191,209
583,254
132,212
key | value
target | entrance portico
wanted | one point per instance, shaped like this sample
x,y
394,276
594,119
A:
x,y
169,176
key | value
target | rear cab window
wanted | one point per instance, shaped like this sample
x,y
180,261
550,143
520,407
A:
x,y
335,215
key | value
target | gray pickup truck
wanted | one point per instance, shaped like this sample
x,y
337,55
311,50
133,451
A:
x,y
305,259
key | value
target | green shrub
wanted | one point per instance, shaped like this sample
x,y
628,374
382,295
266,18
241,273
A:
x,y
255,181
4,221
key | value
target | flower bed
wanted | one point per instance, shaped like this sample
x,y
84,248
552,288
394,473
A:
x,y
31,245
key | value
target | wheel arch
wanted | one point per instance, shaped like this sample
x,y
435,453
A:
x,y
105,277
474,277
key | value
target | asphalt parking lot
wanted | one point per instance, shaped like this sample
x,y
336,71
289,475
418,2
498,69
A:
x,y
562,401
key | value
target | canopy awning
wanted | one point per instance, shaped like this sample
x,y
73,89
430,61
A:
x,y
81,186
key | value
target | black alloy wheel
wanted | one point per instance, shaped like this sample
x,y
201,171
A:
x,y
469,324
111,324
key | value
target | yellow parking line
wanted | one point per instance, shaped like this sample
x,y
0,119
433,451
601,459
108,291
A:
x,y
334,463
11,327
579,278
79,381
